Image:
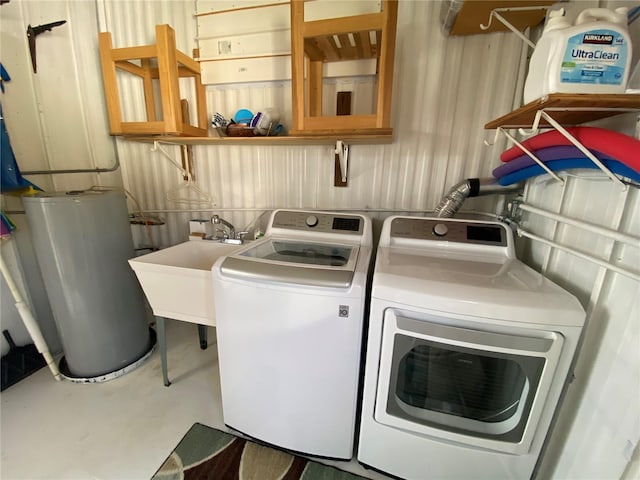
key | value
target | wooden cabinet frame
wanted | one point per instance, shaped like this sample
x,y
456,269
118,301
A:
x,y
312,44
169,66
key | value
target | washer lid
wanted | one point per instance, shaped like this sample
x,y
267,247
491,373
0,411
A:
x,y
489,286
294,262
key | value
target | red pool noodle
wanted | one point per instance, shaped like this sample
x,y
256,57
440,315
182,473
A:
x,y
616,145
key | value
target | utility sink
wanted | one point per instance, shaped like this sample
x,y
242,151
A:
x,y
178,281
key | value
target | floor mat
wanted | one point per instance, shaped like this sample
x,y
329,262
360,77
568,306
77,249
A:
x,y
205,453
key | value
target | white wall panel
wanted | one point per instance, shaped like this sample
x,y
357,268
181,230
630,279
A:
x,y
599,425
238,33
55,117
598,429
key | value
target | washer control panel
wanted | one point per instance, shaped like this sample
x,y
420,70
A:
x,y
318,222
442,229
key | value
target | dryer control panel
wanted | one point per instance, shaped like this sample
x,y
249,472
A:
x,y
442,229
318,222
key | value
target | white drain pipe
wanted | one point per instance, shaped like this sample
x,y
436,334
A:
x,y
29,321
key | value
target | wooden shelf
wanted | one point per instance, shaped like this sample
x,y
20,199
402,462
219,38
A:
x,y
568,109
476,12
365,139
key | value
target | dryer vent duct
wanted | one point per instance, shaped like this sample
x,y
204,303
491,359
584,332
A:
x,y
471,187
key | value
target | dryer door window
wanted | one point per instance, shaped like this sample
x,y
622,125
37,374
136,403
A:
x,y
463,389
464,383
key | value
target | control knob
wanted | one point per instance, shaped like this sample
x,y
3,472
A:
x,y
311,221
440,229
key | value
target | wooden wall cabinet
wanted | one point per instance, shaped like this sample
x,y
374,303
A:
x,y
164,63
313,44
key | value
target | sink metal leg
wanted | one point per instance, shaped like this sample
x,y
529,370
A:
x,y
203,334
162,345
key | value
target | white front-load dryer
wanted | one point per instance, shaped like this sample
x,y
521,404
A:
x,y
289,314
468,352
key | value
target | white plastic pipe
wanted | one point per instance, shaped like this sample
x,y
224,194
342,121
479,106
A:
x,y
606,232
584,256
29,321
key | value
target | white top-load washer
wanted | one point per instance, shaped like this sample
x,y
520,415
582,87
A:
x,y
468,352
289,313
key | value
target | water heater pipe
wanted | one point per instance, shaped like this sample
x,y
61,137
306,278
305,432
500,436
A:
x,y
113,168
471,187
29,321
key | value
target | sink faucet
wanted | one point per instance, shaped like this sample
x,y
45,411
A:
x,y
216,220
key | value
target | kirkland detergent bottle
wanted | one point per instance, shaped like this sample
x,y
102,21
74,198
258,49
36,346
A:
x,y
592,56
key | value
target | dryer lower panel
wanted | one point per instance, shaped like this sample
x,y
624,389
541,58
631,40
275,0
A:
x,y
414,457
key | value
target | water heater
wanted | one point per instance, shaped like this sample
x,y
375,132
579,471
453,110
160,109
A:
x,y
82,242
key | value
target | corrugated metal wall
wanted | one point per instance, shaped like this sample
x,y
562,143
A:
x,y
599,425
445,89
598,430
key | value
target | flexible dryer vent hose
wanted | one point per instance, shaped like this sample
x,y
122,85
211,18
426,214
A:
x,y
471,187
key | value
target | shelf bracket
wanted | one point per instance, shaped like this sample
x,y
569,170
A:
x,y
185,192
533,157
157,148
341,164
542,114
495,13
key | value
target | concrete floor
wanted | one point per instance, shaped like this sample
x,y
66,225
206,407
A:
x,y
121,429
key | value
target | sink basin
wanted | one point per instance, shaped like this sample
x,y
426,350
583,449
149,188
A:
x,y
177,280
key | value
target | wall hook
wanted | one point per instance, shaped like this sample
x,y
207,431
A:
x,y
157,148
187,192
496,136
33,32
341,160
506,23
